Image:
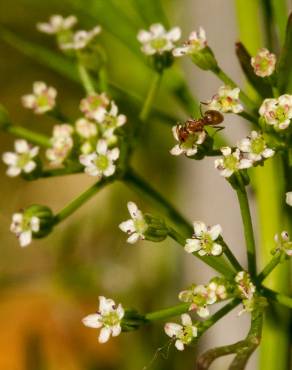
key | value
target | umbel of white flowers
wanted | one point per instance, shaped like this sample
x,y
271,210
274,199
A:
x,y
108,318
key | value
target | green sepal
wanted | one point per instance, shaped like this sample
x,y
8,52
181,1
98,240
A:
x,y
157,230
205,59
132,320
261,85
45,216
162,61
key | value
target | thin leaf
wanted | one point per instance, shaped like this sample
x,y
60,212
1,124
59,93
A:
x,y
284,65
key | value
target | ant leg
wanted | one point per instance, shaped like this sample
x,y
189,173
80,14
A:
x,y
218,128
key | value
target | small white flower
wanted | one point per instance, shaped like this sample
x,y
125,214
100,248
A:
x,y
57,24
22,160
226,100
231,162
136,226
190,146
23,226
62,143
108,317
100,163
184,334
218,290
157,40
42,100
264,63
284,243
245,285
196,42
85,128
255,147
113,119
277,112
289,198
95,106
203,240
81,39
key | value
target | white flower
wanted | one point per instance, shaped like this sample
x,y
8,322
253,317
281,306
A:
x,y
112,119
22,159
23,226
196,42
62,144
277,112
264,63
203,240
81,39
199,298
226,100
108,317
95,106
245,285
42,100
100,163
85,128
157,40
231,162
184,334
284,243
289,198
136,226
255,147
218,290
190,145
57,24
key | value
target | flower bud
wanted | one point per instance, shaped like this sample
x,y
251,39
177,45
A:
x,y
45,216
205,59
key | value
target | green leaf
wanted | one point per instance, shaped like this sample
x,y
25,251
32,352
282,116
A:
x,y
151,11
258,83
285,61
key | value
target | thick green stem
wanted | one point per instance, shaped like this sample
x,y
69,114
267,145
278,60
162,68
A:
x,y
282,299
31,136
81,199
85,79
248,229
148,104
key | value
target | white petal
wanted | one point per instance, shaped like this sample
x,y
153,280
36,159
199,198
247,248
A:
x,y
110,170
245,163
21,146
176,150
29,167
13,171
267,153
192,245
114,154
199,228
178,52
172,329
203,312
101,147
216,249
215,231
192,151
25,238
35,224
133,209
10,158
92,321
179,345
144,36
104,335
174,34
186,319
133,238
127,226
289,198
226,150
120,311
105,304
116,330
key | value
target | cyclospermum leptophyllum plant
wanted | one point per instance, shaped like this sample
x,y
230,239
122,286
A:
x,y
99,145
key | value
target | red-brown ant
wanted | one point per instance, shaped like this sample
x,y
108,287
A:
x,y
209,118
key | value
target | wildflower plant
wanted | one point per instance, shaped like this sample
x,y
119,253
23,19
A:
x,y
101,141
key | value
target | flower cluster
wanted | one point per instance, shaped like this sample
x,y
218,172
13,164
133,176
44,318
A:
x,y
23,160
277,112
42,100
189,145
283,243
67,39
197,41
62,143
226,100
201,296
204,239
264,63
246,290
108,318
157,40
183,334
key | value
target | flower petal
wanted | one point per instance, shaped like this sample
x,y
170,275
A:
x,y
92,321
104,335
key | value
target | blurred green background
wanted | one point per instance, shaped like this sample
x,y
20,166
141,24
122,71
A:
x,y
48,287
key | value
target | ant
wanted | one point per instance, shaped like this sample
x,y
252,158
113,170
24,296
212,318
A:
x,y
191,126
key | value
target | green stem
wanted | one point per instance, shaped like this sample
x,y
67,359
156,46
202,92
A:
x,y
269,267
31,136
61,171
228,81
168,312
146,109
248,228
103,82
280,298
230,256
81,199
85,79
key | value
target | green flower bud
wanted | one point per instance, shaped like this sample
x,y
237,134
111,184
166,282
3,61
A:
x,y
205,59
157,230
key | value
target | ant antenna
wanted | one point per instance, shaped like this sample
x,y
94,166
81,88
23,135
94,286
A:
x,y
159,351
